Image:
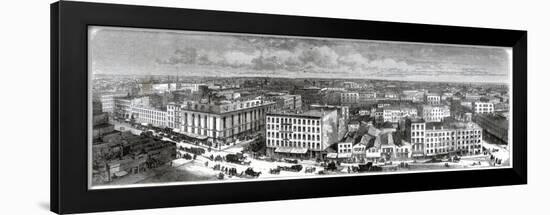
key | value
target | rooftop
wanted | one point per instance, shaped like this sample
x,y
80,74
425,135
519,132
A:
x,y
310,113
450,124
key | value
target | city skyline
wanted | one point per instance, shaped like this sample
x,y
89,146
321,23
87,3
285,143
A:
x,y
162,52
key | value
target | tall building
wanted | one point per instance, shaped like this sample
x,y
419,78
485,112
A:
x,y
302,135
173,115
223,121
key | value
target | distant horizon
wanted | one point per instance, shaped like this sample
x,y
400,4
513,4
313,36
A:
x,y
327,78
133,51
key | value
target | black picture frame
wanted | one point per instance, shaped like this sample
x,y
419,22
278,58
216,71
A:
x,y
69,106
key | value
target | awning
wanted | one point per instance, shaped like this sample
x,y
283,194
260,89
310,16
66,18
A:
x,y
344,155
282,150
332,155
291,150
298,150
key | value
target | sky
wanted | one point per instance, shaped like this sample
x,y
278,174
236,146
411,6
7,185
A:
x,y
132,51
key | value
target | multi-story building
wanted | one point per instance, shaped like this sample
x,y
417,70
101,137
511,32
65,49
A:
x,y
304,135
444,138
415,133
173,115
414,96
189,86
483,107
149,115
495,127
435,113
224,121
310,95
391,95
108,102
287,102
350,85
349,98
472,97
433,99
366,97
123,105
343,117
395,113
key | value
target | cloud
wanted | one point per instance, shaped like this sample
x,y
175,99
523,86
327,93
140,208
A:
x,y
237,58
354,61
390,64
320,56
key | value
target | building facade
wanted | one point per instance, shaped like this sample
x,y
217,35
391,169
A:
x,y
443,138
393,113
304,135
108,102
435,113
433,99
123,105
483,107
149,115
225,121
349,98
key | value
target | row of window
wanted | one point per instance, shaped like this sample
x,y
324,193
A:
x,y
293,128
294,136
292,120
295,144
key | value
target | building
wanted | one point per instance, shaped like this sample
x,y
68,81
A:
x,y
483,107
223,121
108,102
123,153
366,97
442,138
286,102
349,98
190,86
395,113
309,95
343,117
173,115
364,112
414,96
350,85
100,125
495,127
435,113
472,97
149,115
303,135
123,105
433,99
353,126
